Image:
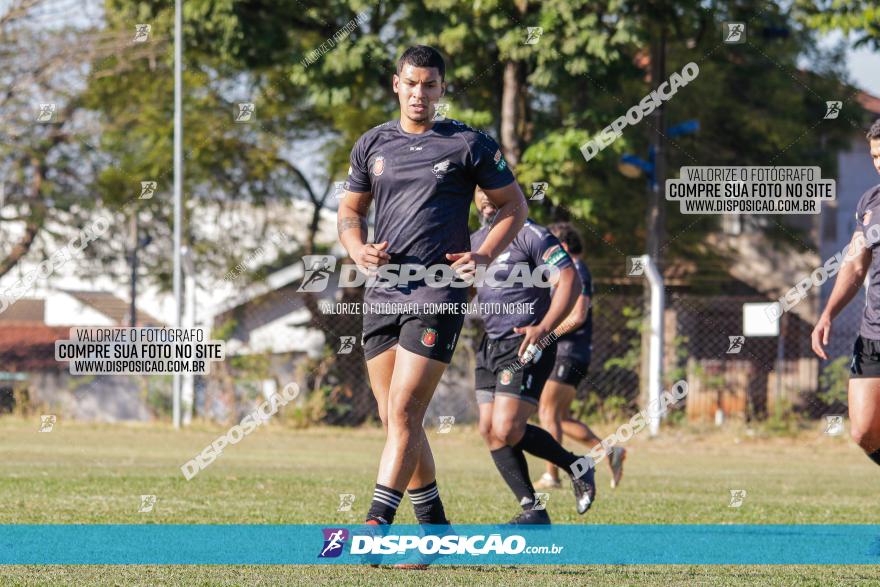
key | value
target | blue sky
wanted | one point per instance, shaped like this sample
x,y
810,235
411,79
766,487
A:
x,y
863,64
864,67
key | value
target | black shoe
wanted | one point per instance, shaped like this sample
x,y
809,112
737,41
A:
x,y
585,489
531,517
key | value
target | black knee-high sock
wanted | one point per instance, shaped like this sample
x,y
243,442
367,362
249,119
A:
x,y
514,469
875,456
384,505
427,505
540,443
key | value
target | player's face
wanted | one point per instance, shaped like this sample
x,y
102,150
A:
x,y
875,154
418,89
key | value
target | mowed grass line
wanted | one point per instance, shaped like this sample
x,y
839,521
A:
x,y
466,576
96,473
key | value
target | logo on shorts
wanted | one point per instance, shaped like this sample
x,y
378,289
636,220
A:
x,y
429,337
505,377
379,166
451,345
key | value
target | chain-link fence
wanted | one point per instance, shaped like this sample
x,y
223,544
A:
x,y
729,376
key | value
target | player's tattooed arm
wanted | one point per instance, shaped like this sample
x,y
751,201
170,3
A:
x,y
345,223
353,214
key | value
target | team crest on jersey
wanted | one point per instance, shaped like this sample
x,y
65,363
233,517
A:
x,y
429,337
500,163
379,166
554,255
440,169
505,377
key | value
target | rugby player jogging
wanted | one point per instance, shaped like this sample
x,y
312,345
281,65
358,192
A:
x,y
863,258
515,357
573,350
421,173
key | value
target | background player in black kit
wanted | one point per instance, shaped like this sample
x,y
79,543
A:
x,y
514,359
863,258
573,350
421,174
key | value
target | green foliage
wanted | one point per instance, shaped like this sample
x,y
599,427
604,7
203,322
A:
x,y
834,381
681,354
783,420
631,359
321,407
587,69
596,409
156,391
709,382
860,17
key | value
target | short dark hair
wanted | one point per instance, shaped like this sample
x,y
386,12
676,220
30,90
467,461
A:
x,y
874,131
569,236
422,56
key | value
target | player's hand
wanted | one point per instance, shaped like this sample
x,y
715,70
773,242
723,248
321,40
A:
x,y
530,348
821,336
370,256
465,264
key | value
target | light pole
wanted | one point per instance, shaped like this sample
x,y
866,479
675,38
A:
x,y
178,187
652,340
187,392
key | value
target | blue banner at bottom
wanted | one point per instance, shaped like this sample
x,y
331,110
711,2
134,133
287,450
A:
x,y
447,545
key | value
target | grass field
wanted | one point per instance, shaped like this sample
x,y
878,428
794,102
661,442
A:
x,y
87,474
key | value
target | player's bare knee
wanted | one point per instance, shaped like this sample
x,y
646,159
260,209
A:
x,y
547,414
485,428
405,417
508,431
865,438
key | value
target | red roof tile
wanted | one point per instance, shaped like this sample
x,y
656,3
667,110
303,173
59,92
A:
x,y
30,346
